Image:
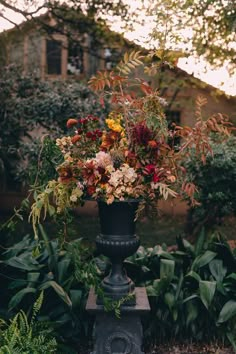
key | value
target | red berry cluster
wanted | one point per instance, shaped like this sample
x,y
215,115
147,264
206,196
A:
x,y
94,135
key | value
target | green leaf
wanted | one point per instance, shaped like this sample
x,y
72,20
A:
x,y
58,289
232,339
228,311
16,299
193,275
207,291
151,291
167,269
76,296
192,312
51,210
200,242
62,269
217,269
169,299
191,297
33,277
203,260
23,263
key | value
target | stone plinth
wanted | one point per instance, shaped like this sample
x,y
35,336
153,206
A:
x,y
122,335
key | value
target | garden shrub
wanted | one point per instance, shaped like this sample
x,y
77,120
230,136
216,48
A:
x,y
30,107
64,272
216,184
192,291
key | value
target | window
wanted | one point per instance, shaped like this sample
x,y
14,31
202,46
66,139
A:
x,y
112,57
54,57
75,65
173,117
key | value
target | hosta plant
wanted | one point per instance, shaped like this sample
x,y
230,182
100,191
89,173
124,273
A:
x,y
192,290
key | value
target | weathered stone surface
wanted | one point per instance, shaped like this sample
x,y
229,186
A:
x,y
122,335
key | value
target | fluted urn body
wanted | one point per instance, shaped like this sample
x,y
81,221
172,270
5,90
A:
x,y
117,241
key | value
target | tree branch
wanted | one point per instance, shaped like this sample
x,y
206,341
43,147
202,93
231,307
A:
x,y
23,12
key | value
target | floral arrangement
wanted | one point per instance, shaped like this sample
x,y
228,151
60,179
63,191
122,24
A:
x,y
129,154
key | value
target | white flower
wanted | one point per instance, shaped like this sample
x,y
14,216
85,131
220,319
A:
x,y
73,198
103,159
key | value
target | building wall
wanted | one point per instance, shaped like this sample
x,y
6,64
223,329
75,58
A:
x,y
33,53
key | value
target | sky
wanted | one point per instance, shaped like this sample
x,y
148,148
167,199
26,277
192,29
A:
x,y
197,66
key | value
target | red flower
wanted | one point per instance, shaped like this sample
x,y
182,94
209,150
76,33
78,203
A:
x,y
155,178
91,190
94,135
141,134
149,169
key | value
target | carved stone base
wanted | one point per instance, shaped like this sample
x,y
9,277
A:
x,y
122,335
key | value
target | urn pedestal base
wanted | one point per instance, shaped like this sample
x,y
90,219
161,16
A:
x,y
122,335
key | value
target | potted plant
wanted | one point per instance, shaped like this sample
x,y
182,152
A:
x,y
124,162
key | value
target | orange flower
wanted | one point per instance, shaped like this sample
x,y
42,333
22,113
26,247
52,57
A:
x,y
108,139
75,138
152,144
71,122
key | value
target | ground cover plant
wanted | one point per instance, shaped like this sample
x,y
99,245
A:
x,y
26,336
191,289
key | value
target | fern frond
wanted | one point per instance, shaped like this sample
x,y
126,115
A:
x,y
36,308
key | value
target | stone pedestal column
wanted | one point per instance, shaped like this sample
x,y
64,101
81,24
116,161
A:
x,y
122,335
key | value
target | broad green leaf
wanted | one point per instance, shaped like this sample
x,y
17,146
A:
x,y
228,311
217,269
16,299
175,314
161,285
192,312
151,291
231,276
167,269
58,289
23,263
232,339
193,275
62,269
191,297
207,291
169,299
76,296
33,277
203,260
200,242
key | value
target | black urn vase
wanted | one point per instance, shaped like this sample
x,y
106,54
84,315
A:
x,y
117,241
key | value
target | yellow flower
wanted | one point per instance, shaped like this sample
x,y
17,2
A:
x,y
114,125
